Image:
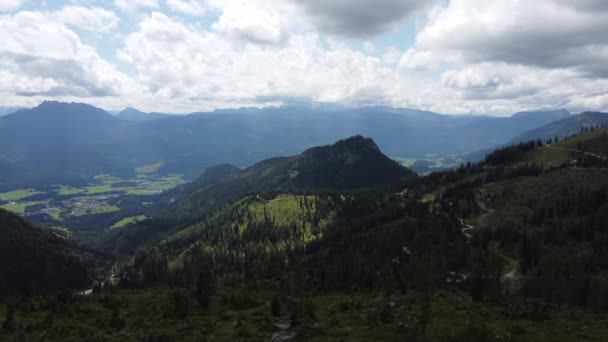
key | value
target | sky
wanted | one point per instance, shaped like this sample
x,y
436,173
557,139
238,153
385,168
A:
x,y
449,56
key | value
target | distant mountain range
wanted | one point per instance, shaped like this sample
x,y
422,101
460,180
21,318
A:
x,y
70,142
8,110
565,127
133,114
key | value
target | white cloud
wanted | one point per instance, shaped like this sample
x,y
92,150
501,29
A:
x,y
251,22
135,5
193,65
551,34
480,56
92,19
10,5
40,57
189,7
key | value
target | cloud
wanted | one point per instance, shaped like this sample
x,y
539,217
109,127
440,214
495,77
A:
x,y
251,23
92,19
135,5
189,7
550,34
41,56
358,18
10,5
177,61
473,56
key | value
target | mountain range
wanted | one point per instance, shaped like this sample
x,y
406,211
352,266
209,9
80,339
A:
x,y
72,142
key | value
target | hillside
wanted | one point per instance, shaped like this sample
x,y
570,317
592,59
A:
x,y
348,164
36,260
565,127
517,236
513,248
588,148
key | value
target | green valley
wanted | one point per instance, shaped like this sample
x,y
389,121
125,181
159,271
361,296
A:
x,y
59,205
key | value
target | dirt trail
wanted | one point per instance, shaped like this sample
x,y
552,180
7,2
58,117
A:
x,y
512,273
579,151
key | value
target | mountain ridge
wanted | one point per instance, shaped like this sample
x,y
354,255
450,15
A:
x,y
351,163
74,141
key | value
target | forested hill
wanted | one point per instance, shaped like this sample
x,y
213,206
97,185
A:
x,y
514,246
34,260
506,232
353,163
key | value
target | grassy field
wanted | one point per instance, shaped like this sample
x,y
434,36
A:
x,y
19,208
18,194
547,156
68,191
559,154
149,169
99,210
127,221
94,199
287,210
572,142
56,214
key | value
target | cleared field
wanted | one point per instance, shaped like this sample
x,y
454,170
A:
x,y
127,221
68,191
19,208
546,155
18,194
99,210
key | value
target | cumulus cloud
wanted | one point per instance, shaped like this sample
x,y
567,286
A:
x,y
255,21
10,5
550,34
189,7
41,56
92,19
359,18
177,60
135,5
469,56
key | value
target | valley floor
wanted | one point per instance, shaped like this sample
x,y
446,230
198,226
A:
x,y
66,208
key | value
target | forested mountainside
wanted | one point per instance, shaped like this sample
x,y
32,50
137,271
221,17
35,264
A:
x,y
352,163
70,143
512,246
36,260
